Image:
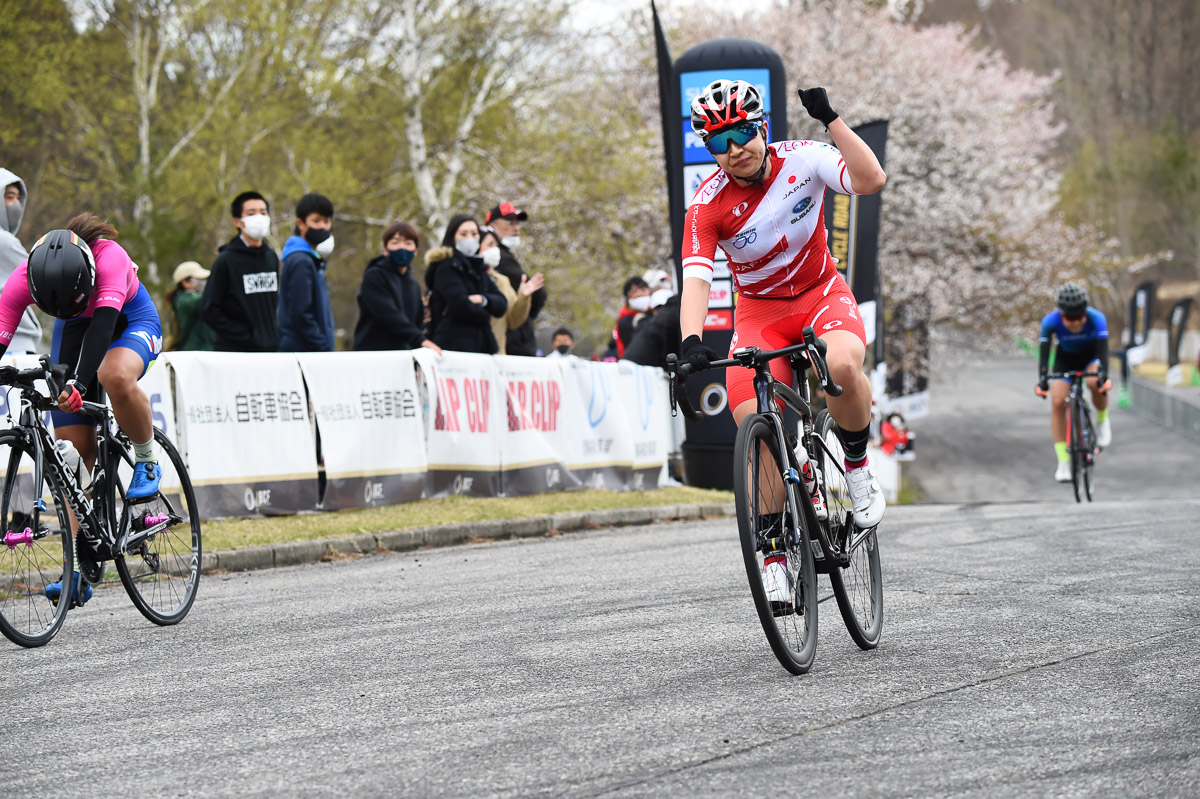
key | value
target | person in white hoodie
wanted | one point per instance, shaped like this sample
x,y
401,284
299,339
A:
x,y
29,332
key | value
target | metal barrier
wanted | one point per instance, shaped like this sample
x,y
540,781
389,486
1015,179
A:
x,y
1169,407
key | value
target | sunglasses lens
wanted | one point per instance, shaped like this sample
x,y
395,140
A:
x,y
1072,318
741,135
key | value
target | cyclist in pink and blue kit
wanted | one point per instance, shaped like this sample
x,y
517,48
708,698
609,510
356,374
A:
x,y
105,325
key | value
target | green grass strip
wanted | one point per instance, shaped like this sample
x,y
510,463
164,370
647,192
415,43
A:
x,y
234,533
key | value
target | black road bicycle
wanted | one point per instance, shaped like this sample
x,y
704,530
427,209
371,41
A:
x,y
1081,433
775,513
153,543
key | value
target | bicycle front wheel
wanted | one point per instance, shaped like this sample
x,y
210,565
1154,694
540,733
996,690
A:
x,y
161,572
36,572
775,546
1089,453
859,586
1075,440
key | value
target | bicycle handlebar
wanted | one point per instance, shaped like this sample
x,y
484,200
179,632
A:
x,y
751,358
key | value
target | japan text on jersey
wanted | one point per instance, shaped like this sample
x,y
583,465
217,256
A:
x,y
773,235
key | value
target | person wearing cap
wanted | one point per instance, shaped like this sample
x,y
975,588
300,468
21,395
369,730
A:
x,y
29,331
188,331
506,220
241,298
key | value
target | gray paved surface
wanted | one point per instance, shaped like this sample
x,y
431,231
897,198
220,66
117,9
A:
x,y
1019,658
987,439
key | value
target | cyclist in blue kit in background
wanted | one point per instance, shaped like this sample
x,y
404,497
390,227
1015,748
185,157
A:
x,y
1082,335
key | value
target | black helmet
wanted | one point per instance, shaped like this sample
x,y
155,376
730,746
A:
x,y
62,273
1072,299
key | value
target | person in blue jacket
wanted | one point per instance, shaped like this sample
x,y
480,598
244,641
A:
x,y
305,316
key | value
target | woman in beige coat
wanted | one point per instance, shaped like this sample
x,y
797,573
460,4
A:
x,y
518,300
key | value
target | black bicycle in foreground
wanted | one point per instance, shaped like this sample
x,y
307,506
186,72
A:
x,y
1081,433
153,543
777,521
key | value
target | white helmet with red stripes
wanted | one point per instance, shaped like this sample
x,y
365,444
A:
x,y
724,103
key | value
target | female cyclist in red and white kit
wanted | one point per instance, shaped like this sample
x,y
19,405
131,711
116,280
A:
x,y
765,208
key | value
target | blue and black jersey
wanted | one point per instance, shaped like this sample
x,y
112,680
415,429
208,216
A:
x,y
1075,350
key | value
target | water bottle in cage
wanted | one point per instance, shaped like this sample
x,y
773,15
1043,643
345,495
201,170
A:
x,y
75,464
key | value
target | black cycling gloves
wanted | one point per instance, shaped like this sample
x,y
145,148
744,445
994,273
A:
x,y
695,352
816,103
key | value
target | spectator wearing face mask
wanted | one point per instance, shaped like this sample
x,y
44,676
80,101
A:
x,y
463,300
657,336
518,299
637,304
28,335
390,311
186,330
305,314
562,344
241,298
506,220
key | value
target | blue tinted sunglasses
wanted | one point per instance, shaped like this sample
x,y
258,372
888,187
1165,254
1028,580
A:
x,y
741,135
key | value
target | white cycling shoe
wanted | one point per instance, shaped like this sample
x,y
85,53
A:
x,y
1104,433
1062,473
866,495
778,586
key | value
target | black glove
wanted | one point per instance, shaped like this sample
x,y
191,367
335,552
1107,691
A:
x,y
1043,382
1101,379
694,352
816,103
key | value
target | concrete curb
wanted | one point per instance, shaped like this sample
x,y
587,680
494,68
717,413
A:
x,y
295,553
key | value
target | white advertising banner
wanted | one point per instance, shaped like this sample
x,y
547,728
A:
x,y
533,439
245,431
599,449
648,414
463,422
368,414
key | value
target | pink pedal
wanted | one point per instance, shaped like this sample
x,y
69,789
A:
x,y
12,540
150,520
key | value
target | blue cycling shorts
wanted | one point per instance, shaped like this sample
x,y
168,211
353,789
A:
x,y
138,329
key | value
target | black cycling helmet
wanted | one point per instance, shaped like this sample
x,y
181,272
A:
x,y
62,274
1072,299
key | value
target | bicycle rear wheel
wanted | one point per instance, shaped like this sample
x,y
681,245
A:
x,y
161,573
36,550
771,528
859,586
1075,442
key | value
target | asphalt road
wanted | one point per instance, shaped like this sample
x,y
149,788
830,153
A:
x,y
1031,648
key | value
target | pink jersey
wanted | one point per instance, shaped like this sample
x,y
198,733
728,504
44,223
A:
x,y
116,282
773,235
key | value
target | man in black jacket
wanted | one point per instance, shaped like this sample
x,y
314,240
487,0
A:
x,y
241,298
391,315
506,220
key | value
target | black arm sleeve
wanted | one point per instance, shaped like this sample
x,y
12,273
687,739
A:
x,y
1043,358
95,343
1102,354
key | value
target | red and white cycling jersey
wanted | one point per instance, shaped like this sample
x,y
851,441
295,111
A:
x,y
773,234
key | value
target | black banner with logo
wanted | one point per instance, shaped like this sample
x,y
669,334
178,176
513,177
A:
x,y
1141,310
852,224
907,357
1176,325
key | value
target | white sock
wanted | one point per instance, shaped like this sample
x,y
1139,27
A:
x,y
146,453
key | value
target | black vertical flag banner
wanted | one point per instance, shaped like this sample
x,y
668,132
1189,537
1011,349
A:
x,y
668,96
1141,309
852,224
1176,325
